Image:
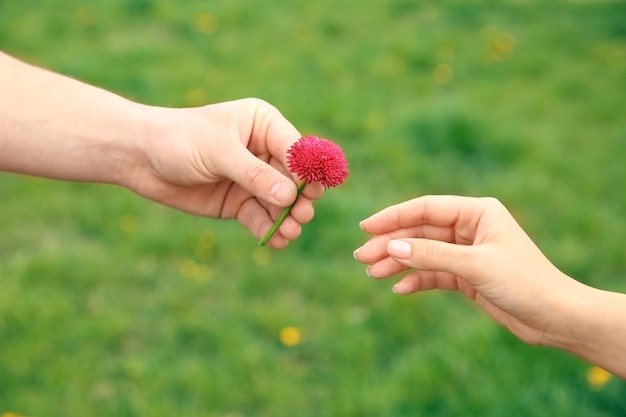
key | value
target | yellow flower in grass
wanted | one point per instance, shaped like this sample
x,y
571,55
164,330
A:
x,y
290,336
9,414
498,46
598,377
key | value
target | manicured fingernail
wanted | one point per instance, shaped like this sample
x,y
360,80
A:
x,y
280,191
354,254
367,271
399,249
361,224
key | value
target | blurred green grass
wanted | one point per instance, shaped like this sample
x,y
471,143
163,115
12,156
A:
x,y
111,305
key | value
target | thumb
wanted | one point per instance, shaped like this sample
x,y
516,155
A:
x,y
433,255
259,178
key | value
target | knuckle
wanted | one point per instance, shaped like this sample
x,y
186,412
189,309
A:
x,y
489,201
430,254
259,104
492,203
254,174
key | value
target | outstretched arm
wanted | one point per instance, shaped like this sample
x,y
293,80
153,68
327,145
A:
x,y
474,245
226,160
56,127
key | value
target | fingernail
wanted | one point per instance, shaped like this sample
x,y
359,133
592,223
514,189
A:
x,y
361,224
367,271
395,289
354,254
280,191
399,249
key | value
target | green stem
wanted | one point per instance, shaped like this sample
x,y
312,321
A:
x,y
281,218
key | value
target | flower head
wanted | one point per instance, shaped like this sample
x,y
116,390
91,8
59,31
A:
x,y
290,336
320,160
598,377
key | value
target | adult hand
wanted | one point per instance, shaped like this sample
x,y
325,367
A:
x,y
225,160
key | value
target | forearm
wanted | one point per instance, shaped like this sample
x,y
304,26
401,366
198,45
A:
x,y
596,329
57,127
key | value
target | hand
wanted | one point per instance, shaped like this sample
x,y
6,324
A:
x,y
225,160
474,246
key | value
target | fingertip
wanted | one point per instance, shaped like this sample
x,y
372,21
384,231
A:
x,y
366,225
278,242
401,289
313,191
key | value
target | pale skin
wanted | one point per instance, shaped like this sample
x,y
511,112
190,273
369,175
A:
x,y
223,161
475,246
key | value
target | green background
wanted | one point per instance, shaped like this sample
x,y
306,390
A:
x,y
114,305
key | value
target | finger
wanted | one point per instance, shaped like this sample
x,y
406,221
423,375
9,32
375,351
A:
x,y
313,191
417,281
373,250
303,210
432,210
278,241
259,178
376,247
433,255
272,130
254,217
385,268
290,229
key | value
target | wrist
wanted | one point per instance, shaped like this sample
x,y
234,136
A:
x,y
572,318
130,158
594,328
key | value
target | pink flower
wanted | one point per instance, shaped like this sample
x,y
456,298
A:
x,y
312,159
320,160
